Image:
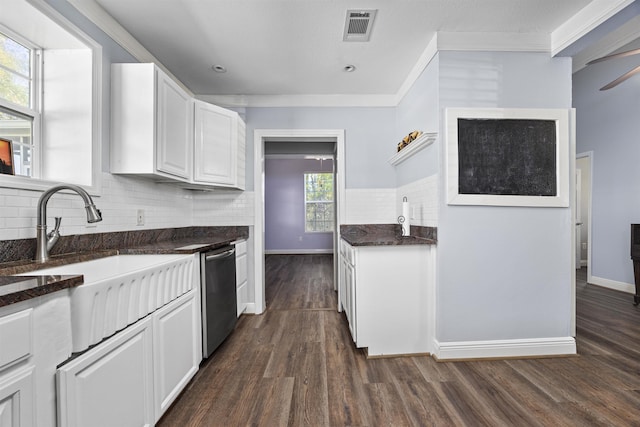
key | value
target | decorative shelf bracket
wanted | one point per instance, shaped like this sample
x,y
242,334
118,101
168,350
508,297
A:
x,y
421,142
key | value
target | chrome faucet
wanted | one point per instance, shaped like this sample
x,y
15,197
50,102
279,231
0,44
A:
x,y
44,241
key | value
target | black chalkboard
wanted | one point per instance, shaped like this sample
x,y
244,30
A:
x,y
507,157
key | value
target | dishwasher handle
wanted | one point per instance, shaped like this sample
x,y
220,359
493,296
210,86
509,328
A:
x,y
217,255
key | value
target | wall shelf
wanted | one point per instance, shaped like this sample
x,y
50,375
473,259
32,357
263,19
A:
x,y
418,144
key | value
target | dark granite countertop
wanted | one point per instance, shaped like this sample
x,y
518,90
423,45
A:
x,y
386,235
14,289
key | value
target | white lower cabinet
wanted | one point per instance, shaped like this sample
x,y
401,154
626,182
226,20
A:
x,y
16,398
131,378
388,295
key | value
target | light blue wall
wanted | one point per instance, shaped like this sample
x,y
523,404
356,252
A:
x,y
608,123
369,138
503,272
418,110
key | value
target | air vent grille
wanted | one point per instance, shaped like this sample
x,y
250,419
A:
x,y
358,25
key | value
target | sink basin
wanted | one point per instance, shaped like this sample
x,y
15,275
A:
x,y
119,290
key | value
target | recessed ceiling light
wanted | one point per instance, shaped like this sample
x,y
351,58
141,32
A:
x,y
349,68
219,69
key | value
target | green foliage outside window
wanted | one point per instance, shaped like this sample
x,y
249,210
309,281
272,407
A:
x,y
16,123
319,202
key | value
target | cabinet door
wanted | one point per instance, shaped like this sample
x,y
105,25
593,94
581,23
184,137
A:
x,y
350,303
16,398
112,385
174,135
177,348
241,276
216,134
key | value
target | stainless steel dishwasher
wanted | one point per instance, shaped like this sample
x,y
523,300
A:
x,y
219,307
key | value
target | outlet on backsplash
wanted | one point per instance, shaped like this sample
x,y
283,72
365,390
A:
x,y
140,217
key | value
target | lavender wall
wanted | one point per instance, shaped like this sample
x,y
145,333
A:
x,y
284,206
607,124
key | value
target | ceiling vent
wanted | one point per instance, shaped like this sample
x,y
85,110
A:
x,y
358,25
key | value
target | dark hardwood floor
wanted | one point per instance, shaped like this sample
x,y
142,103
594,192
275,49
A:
x,y
296,365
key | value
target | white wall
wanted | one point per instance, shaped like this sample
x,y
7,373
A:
x,y
503,272
608,125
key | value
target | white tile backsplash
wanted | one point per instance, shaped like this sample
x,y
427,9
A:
x,y
384,205
223,207
371,206
167,205
422,196
119,199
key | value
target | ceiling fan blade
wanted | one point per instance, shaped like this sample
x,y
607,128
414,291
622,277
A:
x,y
622,78
615,55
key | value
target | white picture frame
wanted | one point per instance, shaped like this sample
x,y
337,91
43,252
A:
x,y
456,196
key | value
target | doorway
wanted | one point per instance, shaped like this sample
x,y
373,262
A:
x,y
584,165
261,138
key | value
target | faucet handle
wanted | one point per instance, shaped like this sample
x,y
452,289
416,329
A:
x,y
54,235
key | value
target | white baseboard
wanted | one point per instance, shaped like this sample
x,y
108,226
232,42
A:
x,y
538,347
612,284
250,308
297,251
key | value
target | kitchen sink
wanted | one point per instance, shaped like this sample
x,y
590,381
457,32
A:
x,y
118,290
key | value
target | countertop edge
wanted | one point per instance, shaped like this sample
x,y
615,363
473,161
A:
x,y
34,285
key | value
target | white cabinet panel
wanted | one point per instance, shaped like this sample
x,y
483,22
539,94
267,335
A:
x,y
111,385
15,337
175,124
177,349
16,398
216,135
241,276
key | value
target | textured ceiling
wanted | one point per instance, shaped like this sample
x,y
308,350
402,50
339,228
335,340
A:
x,y
295,47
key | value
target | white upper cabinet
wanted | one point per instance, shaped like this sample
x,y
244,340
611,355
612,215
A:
x,y
151,123
216,148
160,131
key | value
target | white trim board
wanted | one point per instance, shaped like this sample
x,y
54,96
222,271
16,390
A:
x,y
612,284
535,347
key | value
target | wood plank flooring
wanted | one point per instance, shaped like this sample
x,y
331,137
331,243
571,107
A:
x,y
296,365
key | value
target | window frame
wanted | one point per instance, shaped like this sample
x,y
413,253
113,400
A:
x,y
41,12
34,111
332,202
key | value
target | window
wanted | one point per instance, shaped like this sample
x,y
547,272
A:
x,y
18,92
318,200
50,97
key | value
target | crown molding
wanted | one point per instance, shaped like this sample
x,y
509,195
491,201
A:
x,y
351,100
496,42
592,15
613,41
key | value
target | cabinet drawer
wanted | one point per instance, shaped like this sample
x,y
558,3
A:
x,y
15,337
